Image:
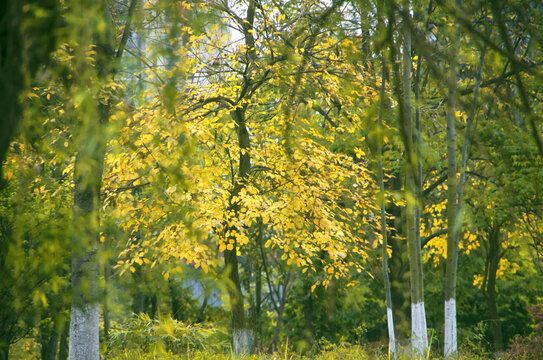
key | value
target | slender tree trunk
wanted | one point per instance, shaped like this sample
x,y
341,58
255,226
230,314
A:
x,y
242,334
48,339
177,311
105,311
450,342
331,308
138,297
153,306
384,252
454,228
493,261
399,267
243,337
418,316
63,346
278,327
258,290
307,304
282,293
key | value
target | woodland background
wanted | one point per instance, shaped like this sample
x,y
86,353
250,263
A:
x,y
202,179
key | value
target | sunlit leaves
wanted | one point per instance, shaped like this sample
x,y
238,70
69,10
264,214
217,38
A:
x,y
171,176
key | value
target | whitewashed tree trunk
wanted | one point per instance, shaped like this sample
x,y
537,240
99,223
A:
x,y
388,295
453,223
242,341
450,343
90,139
84,332
419,337
418,329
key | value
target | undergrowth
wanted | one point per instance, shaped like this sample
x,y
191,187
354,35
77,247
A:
x,y
150,339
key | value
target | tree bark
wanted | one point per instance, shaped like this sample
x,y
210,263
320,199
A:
x,y
243,337
450,341
48,339
4,349
105,311
91,142
384,234
242,334
63,346
418,316
138,297
258,290
450,347
307,303
493,261
84,323
12,79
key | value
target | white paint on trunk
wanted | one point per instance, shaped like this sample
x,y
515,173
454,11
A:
x,y
424,329
242,340
391,337
450,345
419,338
84,333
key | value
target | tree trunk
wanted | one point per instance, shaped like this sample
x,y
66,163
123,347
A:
x,y
241,334
138,298
278,327
84,323
451,264
384,251
105,311
63,347
309,332
399,267
331,307
12,79
153,308
258,290
91,142
493,261
419,336
48,339
177,312
4,349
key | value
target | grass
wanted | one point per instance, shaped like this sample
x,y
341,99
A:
x,y
339,353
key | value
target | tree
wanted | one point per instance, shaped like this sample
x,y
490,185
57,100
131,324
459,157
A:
x,y
92,112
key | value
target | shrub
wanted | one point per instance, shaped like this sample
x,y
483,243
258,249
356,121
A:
x,y
529,347
141,333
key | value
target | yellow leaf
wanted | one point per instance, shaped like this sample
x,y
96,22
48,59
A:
x,y
166,275
132,269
